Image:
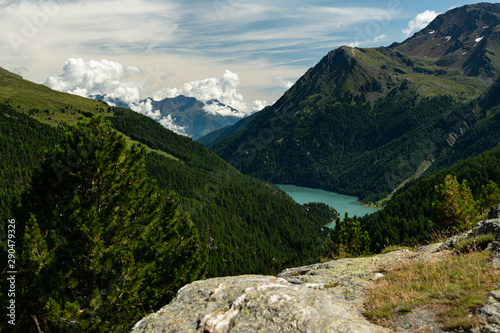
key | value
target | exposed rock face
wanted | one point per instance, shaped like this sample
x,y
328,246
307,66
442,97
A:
x,y
459,38
325,297
490,313
255,304
494,213
490,226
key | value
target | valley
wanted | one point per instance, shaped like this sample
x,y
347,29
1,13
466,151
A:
x,y
118,215
362,121
341,203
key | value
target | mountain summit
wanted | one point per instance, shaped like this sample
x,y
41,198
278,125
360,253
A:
x,y
466,37
365,121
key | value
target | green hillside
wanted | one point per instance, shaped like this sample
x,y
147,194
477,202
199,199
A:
x,y
232,211
45,105
22,144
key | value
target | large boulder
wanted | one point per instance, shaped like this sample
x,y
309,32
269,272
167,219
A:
x,y
325,297
255,304
486,227
489,226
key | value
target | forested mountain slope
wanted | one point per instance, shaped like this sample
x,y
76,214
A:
x,y
408,216
363,121
248,226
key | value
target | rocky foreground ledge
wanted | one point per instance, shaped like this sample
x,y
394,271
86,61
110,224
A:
x,y
326,297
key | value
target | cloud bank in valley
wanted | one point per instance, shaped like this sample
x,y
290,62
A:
x,y
119,82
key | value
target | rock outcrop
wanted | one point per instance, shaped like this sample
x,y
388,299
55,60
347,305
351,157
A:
x,y
490,313
489,226
255,304
325,297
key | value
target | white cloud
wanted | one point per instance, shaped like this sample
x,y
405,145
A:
x,y
103,77
168,122
419,22
379,38
224,89
280,81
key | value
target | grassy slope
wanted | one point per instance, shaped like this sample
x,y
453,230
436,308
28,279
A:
x,y
56,108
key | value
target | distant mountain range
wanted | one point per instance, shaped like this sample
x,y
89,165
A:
x,y
196,117
365,121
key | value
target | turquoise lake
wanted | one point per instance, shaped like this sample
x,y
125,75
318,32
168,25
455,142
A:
x,y
341,203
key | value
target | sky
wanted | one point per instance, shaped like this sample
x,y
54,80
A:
x,y
244,53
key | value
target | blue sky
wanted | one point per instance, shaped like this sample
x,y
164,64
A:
x,y
239,51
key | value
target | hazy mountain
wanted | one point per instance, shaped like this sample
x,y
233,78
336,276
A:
x,y
363,121
217,135
191,113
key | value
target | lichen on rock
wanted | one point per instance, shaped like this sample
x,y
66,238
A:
x,y
255,304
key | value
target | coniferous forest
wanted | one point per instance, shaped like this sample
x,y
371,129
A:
x,y
190,215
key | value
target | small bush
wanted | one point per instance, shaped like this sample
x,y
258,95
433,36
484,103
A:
x,y
472,244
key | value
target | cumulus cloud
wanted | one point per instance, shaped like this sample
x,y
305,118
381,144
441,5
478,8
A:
x,y
224,89
280,81
114,81
94,77
419,22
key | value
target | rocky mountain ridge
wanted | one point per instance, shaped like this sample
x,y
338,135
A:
x,y
197,118
192,114
465,37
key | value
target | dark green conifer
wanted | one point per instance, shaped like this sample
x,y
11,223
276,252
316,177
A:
x,y
347,239
101,247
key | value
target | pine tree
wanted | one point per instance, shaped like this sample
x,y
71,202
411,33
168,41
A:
x,y
347,239
489,197
454,206
102,247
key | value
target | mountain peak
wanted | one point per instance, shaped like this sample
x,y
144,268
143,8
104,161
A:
x,y
466,37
